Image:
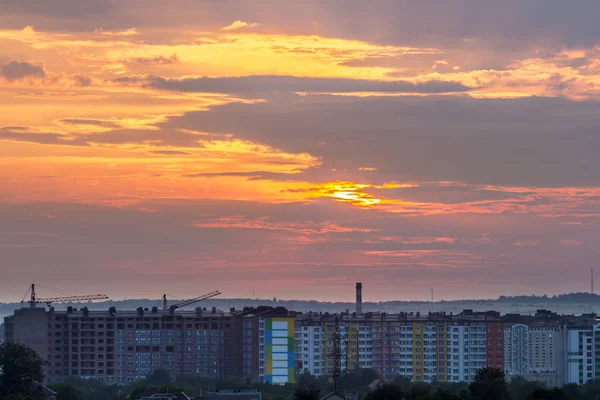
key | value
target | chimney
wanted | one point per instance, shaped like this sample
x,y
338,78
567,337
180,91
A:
x,y
358,298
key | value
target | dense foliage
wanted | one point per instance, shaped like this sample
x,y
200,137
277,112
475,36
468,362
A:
x,y
22,368
489,385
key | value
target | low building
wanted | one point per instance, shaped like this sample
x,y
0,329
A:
x,y
155,394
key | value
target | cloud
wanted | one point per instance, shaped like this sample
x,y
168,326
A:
x,y
298,227
529,243
32,137
570,243
171,153
82,80
251,175
127,32
235,25
19,70
88,121
273,83
538,142
158,60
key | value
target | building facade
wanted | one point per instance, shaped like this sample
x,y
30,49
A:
x,y
274,345
277,352
122,347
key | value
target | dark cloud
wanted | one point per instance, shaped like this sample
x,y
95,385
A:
x,y
164,137
82,80
448,194
153,60
273,83
31,137
171,153
501,24
116,136
533,141
18,70
92,122
128,80
251,175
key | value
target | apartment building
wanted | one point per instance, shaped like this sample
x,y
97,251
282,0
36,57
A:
x,y
310,338
423,348
125,346
275,345
536,351
467,349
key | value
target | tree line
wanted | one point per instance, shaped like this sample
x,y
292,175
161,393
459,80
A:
x,y
21,370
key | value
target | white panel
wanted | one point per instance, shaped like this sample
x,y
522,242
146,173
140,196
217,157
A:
x,y
280,325
573,373
280,356
280,364
279,333
280,371
279,349
280,379
283,341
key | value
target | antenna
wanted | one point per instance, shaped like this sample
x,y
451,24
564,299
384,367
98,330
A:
x,y
432,295
592,280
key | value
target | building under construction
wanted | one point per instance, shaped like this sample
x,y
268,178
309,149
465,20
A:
x,y
117,346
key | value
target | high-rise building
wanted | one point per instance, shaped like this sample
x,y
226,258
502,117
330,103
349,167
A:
x,y
275,345
125,346
536,351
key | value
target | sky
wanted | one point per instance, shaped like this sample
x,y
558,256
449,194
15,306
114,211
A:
x,y
289,149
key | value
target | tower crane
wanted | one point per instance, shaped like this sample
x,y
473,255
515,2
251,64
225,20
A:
x,y
184,303
34,300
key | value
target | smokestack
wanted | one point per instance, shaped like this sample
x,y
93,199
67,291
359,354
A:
x,y
592,280
358,298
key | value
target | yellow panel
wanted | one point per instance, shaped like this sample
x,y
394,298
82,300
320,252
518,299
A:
x,y
420,326
269,367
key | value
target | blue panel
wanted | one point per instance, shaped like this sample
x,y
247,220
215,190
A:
x,y
268,337
269,378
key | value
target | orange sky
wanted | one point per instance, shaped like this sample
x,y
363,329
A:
x,y
242,145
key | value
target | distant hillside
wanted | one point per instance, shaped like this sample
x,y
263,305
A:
x,y
565,303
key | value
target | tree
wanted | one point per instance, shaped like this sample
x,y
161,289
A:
x,y
489,384
307,393
572,391
159,377
137,392
16,397
387,391
359,377
21,368
548,394
521,389
65,391
591,390
443,394
305,379
419,391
